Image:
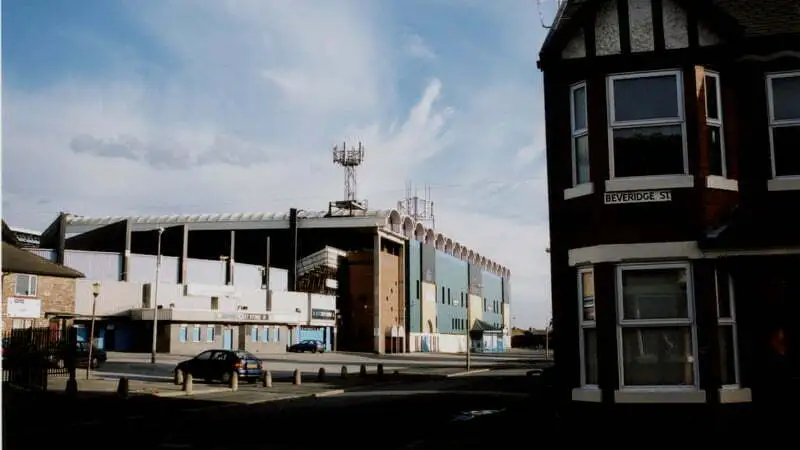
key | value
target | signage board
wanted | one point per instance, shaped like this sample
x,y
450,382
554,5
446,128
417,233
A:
x,y
621,198
323,314
25,308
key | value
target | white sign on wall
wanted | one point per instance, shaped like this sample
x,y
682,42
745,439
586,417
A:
x,y
619,198
26,308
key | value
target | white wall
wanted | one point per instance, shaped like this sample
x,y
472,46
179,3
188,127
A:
x,y
116,297
452,343
142,269
204,271
249,275
95,265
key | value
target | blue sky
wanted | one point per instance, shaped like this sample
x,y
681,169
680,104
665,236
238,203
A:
x,y
178,106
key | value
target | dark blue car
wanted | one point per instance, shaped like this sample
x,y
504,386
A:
x,y
220,365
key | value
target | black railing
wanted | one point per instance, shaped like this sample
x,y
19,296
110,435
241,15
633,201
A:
x,y
30,355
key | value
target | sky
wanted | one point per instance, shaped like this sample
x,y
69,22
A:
x,y
128,107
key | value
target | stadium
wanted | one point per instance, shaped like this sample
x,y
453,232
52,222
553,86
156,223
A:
x,y
356,280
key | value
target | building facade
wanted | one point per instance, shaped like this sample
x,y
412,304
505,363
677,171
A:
x,y
672,155
37,293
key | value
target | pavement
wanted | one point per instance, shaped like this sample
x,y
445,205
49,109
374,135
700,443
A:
x,y
413,413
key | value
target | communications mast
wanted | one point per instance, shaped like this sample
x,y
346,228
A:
x,y
349,159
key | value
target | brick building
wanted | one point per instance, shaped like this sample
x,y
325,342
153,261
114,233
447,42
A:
x,y
36,292
673,165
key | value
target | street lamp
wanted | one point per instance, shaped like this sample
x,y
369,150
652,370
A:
x,y
95,293
155,298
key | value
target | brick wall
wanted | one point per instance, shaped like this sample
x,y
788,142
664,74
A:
x,y
56,294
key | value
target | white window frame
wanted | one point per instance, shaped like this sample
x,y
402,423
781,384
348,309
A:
x,y
211,334
30,278
718,122
577,133
731,323
585,324
677,180
644,323
778,123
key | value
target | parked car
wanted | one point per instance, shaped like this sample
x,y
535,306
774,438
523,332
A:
x,y
220,365
54,355
59,357
307,346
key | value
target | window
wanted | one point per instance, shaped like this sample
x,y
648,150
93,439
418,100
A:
x,y
580,134
588,329
717,164
196,333
726,317
210,333
183,334
656,333
205,356
265,335
25,286
784,121
418,290
444,299
277,334
215,303
254,334
646,125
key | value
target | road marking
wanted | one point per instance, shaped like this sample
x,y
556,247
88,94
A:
x,y
461,374
116,375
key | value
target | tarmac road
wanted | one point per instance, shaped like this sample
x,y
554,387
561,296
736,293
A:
x,y
392,417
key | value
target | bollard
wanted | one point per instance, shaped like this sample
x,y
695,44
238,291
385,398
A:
x,y
45,379
380,370
178,377
298,377
363,370
235,381
267,379
187,383
321,374
344,371
72,386
123,387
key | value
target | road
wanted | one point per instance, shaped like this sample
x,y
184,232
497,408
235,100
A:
x,y
474,411
136,365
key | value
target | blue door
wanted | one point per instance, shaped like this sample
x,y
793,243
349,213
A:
x,y
227,339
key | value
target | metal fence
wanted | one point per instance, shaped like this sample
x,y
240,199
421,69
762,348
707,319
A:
x,y
31,355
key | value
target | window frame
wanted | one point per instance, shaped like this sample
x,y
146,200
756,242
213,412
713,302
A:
x,y
731,323
211,334
197,335
578,133
689,321
613,124
719,121
30,278
772,123
583,325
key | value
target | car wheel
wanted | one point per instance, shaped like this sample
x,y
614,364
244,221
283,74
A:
x,y
313,350
59,363
179,376
94,363
226,377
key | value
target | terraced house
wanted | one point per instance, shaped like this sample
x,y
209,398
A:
x,y
673,146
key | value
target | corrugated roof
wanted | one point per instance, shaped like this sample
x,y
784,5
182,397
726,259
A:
x,y
217,217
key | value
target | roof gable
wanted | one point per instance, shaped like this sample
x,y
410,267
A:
x,y
17,260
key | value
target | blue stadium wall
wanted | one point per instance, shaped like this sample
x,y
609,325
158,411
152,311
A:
x,y
414,271
493,299
451,293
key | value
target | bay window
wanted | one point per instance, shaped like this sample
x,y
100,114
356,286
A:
x,y
588,328
726,320
784,121
717,164
656,328
580,135
646,121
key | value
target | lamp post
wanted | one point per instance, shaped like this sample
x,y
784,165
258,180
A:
x,y
155,298
95,293
469,338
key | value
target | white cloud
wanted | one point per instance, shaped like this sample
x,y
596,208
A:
x,y
245,120
416,48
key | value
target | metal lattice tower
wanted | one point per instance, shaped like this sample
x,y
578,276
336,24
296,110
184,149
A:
x,y
418,208
350,160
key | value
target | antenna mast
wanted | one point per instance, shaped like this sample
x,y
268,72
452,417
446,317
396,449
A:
x,y
418,208
349,160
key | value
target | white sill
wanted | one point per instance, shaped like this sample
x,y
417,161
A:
x,y
654,182
660,395
587,394
784,184
721,183
579,191
735,394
